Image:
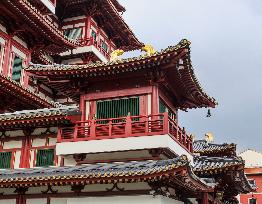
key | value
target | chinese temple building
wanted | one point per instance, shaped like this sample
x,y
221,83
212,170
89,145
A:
x,y
79,124
253,171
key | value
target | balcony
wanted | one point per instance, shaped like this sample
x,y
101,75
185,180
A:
x,y
127,127
91,42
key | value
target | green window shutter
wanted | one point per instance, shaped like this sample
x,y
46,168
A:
x,y
93,34
5,160
162,107
74,33
104,46
45,157
118,108
17,69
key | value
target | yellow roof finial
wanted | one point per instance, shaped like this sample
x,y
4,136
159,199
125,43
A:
x,y
209,137
115,55
149,49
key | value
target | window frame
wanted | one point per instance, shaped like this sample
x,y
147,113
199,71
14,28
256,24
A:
x,y
12,66
45,149
10,162
73,28
137,109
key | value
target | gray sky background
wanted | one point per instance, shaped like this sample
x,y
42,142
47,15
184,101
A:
x,y
226,50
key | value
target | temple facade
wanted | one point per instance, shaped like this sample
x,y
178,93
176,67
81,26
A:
x,y
79,124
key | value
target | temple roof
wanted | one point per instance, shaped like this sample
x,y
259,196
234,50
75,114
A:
x,y
183,78
227,172
211,165
205,148
106,14
39,117
15,97
38,23
166,171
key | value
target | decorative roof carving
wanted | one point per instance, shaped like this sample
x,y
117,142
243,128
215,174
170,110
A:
x,y
203,147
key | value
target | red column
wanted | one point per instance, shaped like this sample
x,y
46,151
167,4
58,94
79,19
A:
x,y
155,100
7,54
25,153
88,27
205,198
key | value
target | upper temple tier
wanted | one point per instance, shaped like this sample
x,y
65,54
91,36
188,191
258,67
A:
x,y
167,74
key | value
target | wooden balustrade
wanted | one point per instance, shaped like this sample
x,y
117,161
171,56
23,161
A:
x,y
130,126
90,41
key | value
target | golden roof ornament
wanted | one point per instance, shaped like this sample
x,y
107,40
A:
x,y
115,55
149,49
209,137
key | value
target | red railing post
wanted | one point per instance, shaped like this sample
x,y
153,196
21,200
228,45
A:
x,y
93,129
75,133
110,128
59,135
165,123
128,128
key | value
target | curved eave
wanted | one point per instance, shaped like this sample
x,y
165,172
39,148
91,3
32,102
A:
x,y
23,94
166,172
33,122
204,148
166,59
118,6
132,42
42,25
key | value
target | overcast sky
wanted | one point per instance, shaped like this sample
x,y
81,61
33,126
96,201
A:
x,y
226,50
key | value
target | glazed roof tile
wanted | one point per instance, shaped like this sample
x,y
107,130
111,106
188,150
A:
x,y
120,63
216,168
103,173
203,147
38,113
205,164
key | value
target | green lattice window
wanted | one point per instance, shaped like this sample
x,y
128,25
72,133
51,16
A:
x,y
117,108
74,33
104,46
5,160
45,157
17,69
93,35
164,108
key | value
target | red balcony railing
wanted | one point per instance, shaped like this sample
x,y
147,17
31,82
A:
x,y
130,126
91,41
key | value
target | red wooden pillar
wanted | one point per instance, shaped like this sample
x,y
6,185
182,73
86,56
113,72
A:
x,y
155,100
205,198
20,199
88,27
7,54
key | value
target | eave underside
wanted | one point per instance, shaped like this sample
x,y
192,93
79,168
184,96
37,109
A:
x,y
14,98
21,19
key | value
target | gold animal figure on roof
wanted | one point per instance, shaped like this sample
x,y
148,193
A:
x,y
115,55
149,49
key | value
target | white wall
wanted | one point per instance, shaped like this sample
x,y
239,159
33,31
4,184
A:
x,y
143,199
121,144
10,201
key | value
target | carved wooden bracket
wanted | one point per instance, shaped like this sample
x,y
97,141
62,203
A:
x,y
49,189
77,188
115,186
